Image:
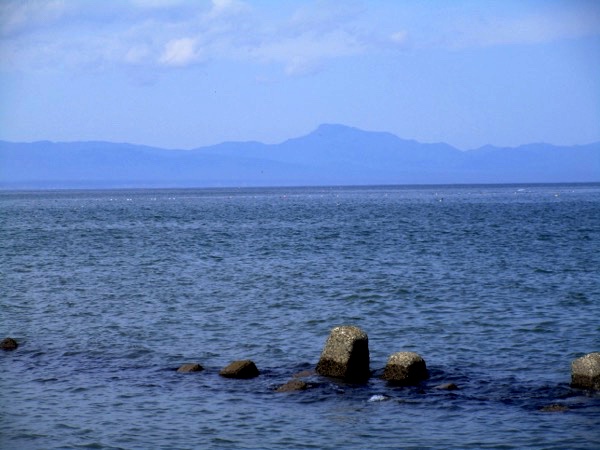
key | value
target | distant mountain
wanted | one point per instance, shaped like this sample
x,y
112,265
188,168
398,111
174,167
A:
x,y
330,155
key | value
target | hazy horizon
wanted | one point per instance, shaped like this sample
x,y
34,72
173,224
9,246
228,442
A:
x,y
243,141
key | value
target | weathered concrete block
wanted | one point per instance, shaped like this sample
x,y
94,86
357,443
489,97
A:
x,y
8,344
346,354
240,369
405,368
190,367
585,371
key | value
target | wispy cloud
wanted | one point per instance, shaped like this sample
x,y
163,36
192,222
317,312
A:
x,y
180,33
498,27
17,17
314,34
307,52
179,52
221,8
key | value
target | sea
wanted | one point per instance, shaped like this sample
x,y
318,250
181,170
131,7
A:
x,y
108,292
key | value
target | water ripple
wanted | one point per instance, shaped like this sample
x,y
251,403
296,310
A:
x,y
498,291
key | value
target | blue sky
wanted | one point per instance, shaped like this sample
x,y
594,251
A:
x,y
183,74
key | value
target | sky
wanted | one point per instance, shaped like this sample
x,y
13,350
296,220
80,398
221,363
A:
x,y
184,74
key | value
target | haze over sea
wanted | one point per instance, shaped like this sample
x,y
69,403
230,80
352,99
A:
x,y
497,287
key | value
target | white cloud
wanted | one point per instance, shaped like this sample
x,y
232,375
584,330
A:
x,y
178,34
179,52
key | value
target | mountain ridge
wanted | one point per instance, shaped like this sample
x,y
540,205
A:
x,y
332,154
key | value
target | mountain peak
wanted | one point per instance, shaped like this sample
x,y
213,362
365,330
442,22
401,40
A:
x,y
334,130
338,131
335,127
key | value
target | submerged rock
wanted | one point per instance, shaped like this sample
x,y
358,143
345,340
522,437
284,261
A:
x,y
378,398
405,368
304,374
8,344
554,408
240,369
346,354
190,367
585,371
447,387
293,385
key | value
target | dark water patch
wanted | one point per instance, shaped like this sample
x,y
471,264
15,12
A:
x,y
575,299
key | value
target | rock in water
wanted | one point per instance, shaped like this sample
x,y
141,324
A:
x,y
447,387
190,367
240,369
8,344
585,371
304,374
405,368
293,385
346,354
554,408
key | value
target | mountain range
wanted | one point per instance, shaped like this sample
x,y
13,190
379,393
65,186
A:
x,y
330,155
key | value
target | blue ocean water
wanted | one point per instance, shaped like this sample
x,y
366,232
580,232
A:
x,y
108,292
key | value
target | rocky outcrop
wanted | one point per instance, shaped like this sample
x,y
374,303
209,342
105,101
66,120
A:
x,y
8,344
585,371
346,354
240,369
190,367
405,368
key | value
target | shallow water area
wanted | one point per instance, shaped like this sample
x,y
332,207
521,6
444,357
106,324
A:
x,y
108,292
